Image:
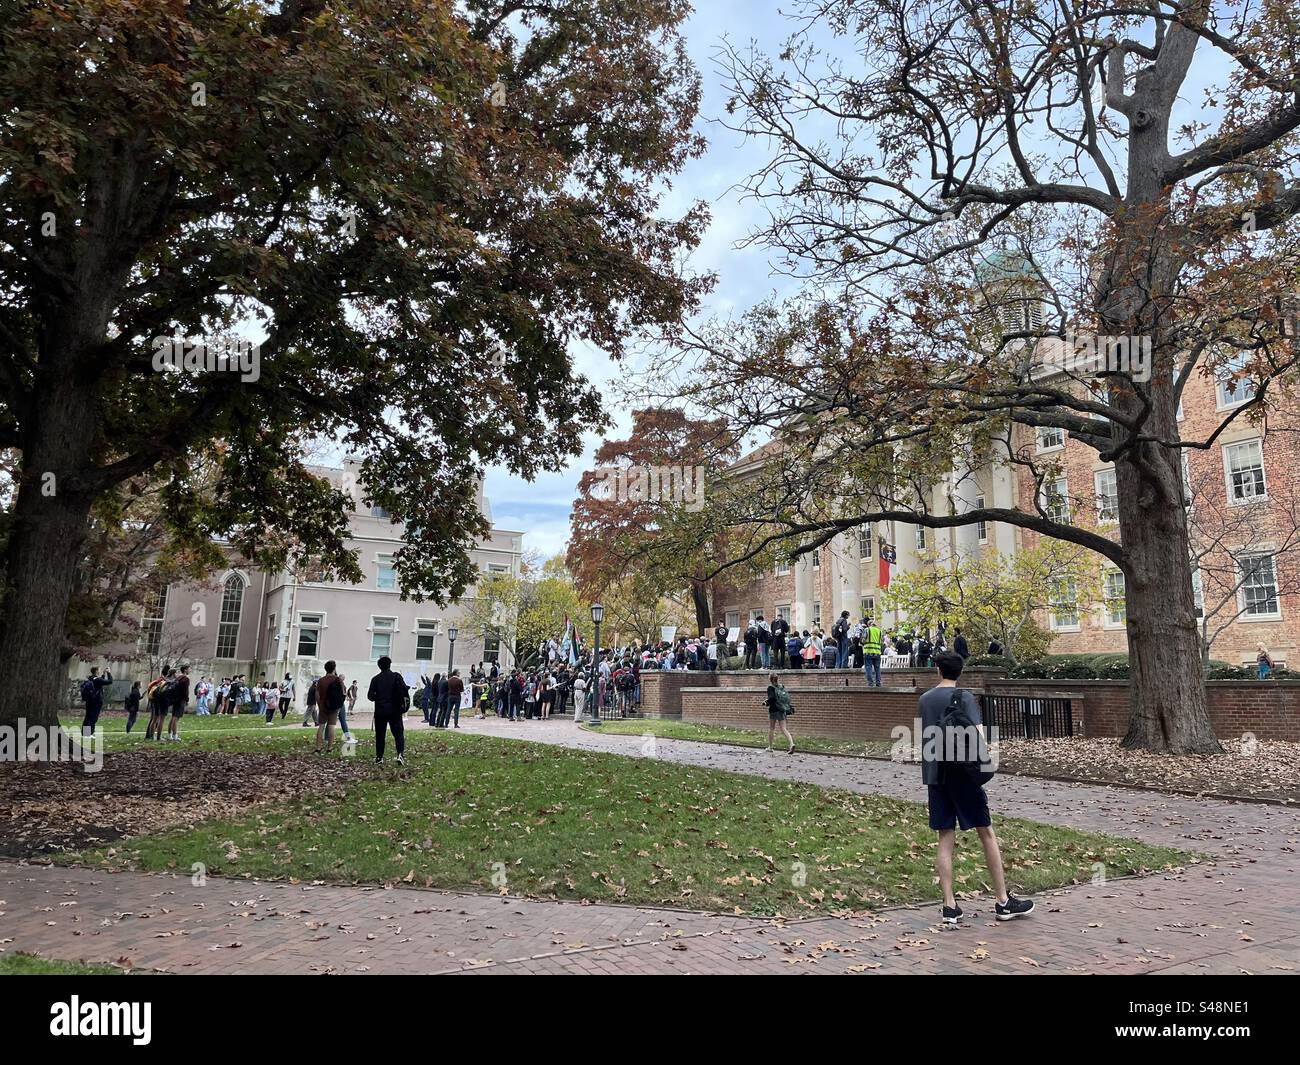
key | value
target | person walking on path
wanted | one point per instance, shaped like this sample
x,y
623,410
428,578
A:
x,y
955,794
272,701
390,696
286,696
156,699
309,715
579,696
779,708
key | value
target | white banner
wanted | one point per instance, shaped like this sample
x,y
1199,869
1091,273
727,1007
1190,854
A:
x,y
667,633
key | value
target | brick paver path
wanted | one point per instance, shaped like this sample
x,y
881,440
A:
x,y
1236,913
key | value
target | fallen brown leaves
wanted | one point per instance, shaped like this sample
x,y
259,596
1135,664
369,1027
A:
x,y
1260,769
47,807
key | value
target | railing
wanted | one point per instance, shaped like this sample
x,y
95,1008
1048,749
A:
x,y
1026,717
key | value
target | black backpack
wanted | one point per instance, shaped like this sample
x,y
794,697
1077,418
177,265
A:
x,y
956,723
334,695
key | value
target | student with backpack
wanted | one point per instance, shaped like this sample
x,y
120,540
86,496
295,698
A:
x,y
840,630
779,708
751,646
330,696
92,697
954,766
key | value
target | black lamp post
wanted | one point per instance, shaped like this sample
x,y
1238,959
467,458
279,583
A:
x,y
451,646
597,616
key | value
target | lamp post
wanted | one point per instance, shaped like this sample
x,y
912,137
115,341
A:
x,y
452,632
593,689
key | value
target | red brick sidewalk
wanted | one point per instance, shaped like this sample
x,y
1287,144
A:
x,y
1235,914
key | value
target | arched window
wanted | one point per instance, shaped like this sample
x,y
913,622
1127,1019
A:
x,y
232,606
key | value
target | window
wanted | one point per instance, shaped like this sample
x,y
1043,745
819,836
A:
x,y
1107,495
732,619
1232,385
151,624
378,512
386,578
782,567
426,636
864,542
1244,464
869,606
783,612
232,606
1064,604
381,637
1054,499
1258,595
817,558
491,649
817,614
309,630
1050,438
981,527
271,633
1198,593
920,537
1116,610
498,567
1187,478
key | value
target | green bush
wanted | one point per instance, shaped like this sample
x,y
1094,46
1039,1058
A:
x,y
1028,670
1227,672
1113,670
1072,671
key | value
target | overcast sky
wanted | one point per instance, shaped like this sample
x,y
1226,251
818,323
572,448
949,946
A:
x,y
540,509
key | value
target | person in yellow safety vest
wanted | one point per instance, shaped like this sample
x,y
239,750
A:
x,y
871,641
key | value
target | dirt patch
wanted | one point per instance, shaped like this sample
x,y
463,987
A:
x,y
1262,769
52,807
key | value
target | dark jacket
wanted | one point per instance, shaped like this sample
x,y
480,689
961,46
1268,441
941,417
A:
x,y
388,692
93,696
961,646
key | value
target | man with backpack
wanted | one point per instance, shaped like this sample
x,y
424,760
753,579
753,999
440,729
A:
x,y
330,695
92,697
954,766
390,696
751,646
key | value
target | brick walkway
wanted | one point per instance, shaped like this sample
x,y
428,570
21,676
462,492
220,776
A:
x,y
1235,914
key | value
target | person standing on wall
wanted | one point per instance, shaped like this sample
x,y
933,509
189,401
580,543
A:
x,y
871,649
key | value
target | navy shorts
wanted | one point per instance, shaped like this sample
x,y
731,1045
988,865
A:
x,y
958,800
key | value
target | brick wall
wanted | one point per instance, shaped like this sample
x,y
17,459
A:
x,y
1271,711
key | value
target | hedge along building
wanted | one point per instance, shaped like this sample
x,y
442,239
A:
x,y
252,622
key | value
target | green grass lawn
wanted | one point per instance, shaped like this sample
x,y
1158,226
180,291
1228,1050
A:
x,y
744,737
31,965
115,723
484,814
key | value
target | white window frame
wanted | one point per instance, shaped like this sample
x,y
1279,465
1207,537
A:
x,y
981,526
1044,449
868,604
817,615
1109,618
432,632
223,626
383,562
1054,609
1107,514
375,629
1242,601
1222,401
782,611
865,544
317,627
782,568
1228,450
921,538
1044,499
731,619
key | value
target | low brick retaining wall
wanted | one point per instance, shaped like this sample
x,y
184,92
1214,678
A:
x,y
1269,710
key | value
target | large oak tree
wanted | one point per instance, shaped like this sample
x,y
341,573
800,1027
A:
x,y
959,179
415,206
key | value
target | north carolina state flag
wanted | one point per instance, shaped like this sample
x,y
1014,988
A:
x,y
884,572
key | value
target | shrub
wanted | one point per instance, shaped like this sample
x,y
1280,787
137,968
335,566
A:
x,y
990,661
1227,672
1071,671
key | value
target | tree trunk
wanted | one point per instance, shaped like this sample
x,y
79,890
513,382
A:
x,y
703,617
1167,680
49,526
